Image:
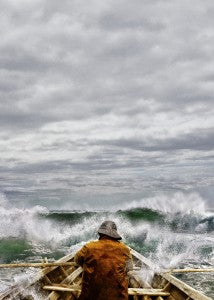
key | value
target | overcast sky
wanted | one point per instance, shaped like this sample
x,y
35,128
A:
x,y
105,101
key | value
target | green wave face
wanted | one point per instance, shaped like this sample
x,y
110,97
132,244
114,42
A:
x,y
13,249
67,217
176,222
145,214
136,214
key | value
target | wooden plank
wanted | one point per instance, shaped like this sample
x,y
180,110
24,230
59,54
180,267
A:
x,y
69,279
79,281
17,290
47,270
60,288
74,290
148,292
47,279
167,287
186,289
189,291
177,293
190,270
143,259
73,276
54,296
131,291
38,265
63,271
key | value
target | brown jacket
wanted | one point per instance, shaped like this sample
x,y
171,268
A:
x,y
104,265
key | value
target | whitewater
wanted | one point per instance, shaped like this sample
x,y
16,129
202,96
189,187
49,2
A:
x,y
173,231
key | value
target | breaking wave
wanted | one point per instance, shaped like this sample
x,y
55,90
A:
x,y
180,213
171,204
172,231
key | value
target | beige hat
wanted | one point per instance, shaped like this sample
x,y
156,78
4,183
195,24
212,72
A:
x,y
109,228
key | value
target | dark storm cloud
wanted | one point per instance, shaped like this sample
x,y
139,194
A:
x,y
14,120
202,140
104,53
107,86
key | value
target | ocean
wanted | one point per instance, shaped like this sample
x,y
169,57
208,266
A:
x,y
173,235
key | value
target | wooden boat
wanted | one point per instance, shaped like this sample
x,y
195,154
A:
x,y
64,282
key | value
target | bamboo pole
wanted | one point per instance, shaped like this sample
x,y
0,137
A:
x,y
190,270
64,264
38,265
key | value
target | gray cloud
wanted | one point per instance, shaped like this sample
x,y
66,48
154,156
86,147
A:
x,y
107,87
202,140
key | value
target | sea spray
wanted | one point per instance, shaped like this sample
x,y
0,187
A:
x,y
17,222
171,203
164,229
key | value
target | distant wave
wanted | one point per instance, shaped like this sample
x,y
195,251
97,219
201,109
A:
x,y
146,214
53,229
171,204
178,221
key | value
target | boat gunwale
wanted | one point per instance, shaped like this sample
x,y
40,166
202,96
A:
x,y
187,289
38,276
180,285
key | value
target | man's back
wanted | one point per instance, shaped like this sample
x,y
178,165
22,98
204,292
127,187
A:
x,y
104,270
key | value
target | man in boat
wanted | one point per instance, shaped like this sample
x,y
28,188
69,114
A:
x,y
105,265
